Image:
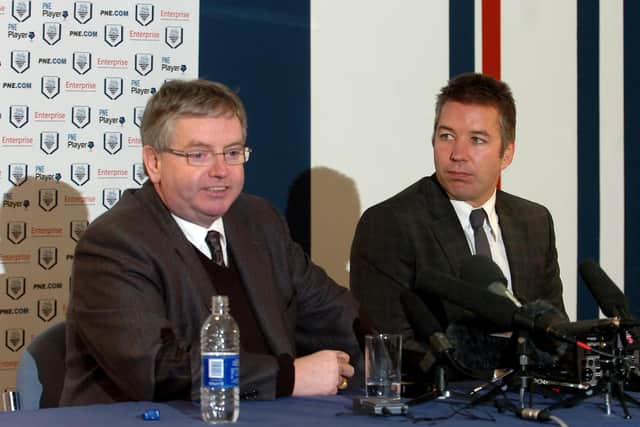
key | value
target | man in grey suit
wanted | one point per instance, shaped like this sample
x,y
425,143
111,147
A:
x,y
428,225
144,272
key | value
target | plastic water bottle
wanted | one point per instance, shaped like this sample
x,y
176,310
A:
x,y
220,344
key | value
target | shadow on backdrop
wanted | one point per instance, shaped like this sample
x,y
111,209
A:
x,y
323,210
41,223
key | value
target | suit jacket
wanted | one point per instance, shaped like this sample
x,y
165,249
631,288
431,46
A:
x,y
418,228
140,294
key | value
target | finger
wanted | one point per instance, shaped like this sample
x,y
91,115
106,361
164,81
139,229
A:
x,y
346,370
342,356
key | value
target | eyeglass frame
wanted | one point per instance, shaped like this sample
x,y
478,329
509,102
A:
x,y
189,155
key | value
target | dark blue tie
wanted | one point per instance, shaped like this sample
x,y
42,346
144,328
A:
x,y
477,218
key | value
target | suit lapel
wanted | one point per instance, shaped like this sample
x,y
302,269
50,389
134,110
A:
x,y
447,228
255,268
177,242
511,232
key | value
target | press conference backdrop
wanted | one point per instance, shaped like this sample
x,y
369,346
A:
x,y
340,98
74,79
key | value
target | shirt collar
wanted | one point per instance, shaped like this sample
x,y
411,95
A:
x,y
463,210
196,234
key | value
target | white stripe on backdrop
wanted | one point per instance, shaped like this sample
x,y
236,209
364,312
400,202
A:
x,y
612,141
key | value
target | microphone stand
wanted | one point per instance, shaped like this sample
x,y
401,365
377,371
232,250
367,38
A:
x,y
614,372
526,385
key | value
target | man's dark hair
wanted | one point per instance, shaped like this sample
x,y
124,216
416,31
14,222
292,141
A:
x,y
475,88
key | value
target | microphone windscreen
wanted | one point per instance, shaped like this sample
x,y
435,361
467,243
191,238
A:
x,y
607,295
543,313
479,301
481,270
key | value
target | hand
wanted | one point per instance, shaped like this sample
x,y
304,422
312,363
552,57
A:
x,y
321,373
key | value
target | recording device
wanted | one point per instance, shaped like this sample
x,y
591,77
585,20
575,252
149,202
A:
x,y
613,303
379,406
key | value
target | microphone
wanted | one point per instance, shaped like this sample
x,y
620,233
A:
x,y
425,325
608,296
428,329
481,270
496,309
498,288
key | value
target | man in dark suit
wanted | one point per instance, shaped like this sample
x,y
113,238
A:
x,y
143,272
428,225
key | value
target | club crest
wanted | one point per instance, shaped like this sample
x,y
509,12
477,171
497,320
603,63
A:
x,y
138,113
113,87
49,142
18,115
113,34
16,287
48,199
77,229
144,14
112,142
81,62
17,173
80,173
47,257
47,309
51,32
50,86
82,11
20,60
110,197
21,10
139,174
14,339
16,232
80,115
143,63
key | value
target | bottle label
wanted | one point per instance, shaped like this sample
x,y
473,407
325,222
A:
x,y
220,370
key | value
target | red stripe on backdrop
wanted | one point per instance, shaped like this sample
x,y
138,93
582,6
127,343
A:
x,y
491,37
491,42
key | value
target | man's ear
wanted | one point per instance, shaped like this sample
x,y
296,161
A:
x,y
507,156
152,163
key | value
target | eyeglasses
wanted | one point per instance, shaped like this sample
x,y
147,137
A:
x,y
200,157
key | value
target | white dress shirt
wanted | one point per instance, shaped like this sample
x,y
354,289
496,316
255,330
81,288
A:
x,y
491,228
197,235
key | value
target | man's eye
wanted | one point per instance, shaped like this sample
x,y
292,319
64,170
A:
x,y
234,153
446,136
477,140
197,154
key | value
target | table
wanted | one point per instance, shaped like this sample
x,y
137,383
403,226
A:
x,y
332,411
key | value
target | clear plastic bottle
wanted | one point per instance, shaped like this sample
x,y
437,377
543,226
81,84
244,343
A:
x,y
220,345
